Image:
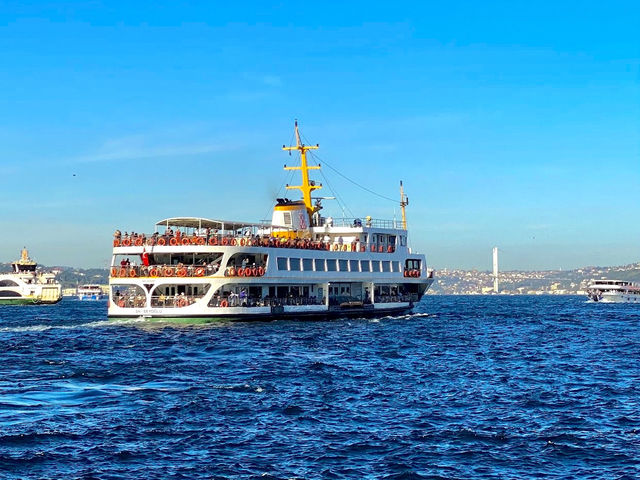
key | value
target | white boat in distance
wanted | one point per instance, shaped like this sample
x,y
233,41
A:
x,y
27,285
299,264
613,291
90,292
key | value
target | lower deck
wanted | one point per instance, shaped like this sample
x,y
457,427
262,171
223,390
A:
x,y
245,300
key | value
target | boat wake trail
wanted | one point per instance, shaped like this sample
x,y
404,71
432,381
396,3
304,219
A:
x,y
94,324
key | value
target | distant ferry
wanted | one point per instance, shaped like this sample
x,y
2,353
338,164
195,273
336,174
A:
x,y
26,286
90,292
300,264
613,291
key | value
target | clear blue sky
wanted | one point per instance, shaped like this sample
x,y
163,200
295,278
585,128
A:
x,y
514,124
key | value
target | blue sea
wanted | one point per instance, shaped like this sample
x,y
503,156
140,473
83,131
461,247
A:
x,y
465,388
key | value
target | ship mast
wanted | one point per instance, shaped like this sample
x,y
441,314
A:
x,y
307,186
404,201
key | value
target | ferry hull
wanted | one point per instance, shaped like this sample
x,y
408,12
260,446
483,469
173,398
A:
x,y
268,316
617,298
27,301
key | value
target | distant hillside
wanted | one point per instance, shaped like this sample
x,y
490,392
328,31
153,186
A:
x,y
70,277
530,282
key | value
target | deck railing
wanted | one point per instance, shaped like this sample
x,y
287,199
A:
x,y
255,241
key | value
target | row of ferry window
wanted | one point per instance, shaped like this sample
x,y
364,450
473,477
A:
x,y
337,265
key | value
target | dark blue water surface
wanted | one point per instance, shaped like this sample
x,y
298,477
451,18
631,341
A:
x,y
468,387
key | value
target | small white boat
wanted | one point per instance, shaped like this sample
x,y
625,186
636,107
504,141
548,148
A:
x,y
613,291
26,285
90,292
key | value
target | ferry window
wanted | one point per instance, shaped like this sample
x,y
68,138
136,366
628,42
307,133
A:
x,y
331,265
354,266
282,263
319,263
413,264
307,264
8,283
9,293
386,266
364,265
343,265
392,239
294,264
287,218
375,265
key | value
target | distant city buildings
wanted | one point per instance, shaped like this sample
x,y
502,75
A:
x,y
546,282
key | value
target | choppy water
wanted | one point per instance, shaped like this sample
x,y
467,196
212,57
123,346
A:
x,y
469,387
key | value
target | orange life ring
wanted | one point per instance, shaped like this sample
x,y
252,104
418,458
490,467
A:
x,y
186,241
363,248
199,272
213,241
126,242
372,248
233,242
123,272
380,248
114,271
345,248
162,242
116,242
173,242
168,272
121,303
254,272
151,241
133,273
232,272
182,272
389,249
225,241
224,304
182,302
260,271
200,241
241,272
138,242
243,242
248,272
406,273
153,272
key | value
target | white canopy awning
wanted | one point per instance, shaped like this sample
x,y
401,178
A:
x,y
195,222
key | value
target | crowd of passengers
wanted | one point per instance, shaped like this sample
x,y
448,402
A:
x,y
190,270
243,300
208,237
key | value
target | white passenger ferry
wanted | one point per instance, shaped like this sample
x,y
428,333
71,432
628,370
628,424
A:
x,y
299,264
613,291
90,292
26,285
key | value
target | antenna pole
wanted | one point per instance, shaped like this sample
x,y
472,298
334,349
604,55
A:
x,y
404,201
307,186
